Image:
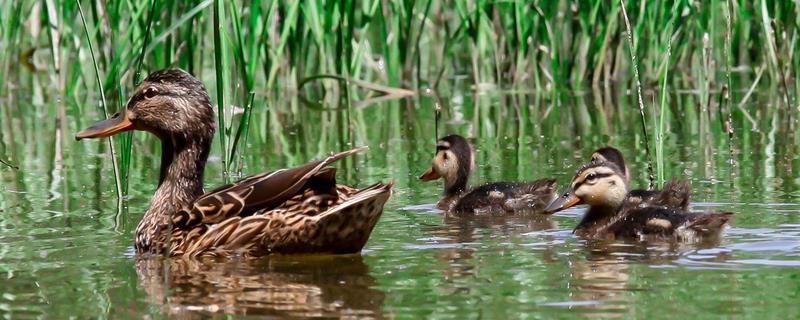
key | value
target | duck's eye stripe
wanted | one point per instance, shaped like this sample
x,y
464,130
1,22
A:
x,y
141,96
596,176
601,175
136,98
440,148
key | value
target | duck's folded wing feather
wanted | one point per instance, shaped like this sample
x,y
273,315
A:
x,y
263,191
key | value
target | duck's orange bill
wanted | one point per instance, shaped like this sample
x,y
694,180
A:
x,y
567,200
109,127
429,175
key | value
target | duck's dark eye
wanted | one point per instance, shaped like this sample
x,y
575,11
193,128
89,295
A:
x,y
150,92
444,155
591,177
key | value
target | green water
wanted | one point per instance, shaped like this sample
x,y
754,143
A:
x,y
65,250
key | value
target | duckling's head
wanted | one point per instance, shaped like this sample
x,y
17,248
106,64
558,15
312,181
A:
x,y
452,162
168,103
599,184
613,155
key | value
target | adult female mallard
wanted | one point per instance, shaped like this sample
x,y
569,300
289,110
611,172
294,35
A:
x,y
454,163
602,186
296,210
674,194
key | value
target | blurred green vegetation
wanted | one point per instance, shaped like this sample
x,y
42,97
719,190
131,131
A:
x,y
284,57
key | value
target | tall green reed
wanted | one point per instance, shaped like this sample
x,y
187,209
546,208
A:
x,y
638,82
103,104
552,49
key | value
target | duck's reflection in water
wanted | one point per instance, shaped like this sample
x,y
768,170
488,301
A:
x,y
459,237
600,284
281,286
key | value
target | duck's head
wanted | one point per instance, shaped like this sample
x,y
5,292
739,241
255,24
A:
x,y
168,103
452,162
596,184
611,154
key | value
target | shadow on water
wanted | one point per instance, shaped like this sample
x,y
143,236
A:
x,y
279,286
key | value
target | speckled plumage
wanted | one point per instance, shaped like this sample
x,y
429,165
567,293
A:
x,y
675,194
295,210
454,163
602,186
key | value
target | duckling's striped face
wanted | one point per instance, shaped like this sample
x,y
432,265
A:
x,y
596,184
600,186
445,163
612,155
453,162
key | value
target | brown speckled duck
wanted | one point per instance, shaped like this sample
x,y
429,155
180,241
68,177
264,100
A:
x,y
454,163
295,210
602,186
675,193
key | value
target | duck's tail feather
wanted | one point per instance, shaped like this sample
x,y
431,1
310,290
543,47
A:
x,y
709,223
346,227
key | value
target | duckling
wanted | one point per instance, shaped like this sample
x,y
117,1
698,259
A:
x,y
454,163
675,194
602,186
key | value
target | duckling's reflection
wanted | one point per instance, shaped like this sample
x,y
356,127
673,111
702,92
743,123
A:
x,y
463,232
306,286
600,283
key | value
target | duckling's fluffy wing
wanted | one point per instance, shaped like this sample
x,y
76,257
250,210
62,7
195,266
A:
x,y
501,197
674,195
663,223
259,192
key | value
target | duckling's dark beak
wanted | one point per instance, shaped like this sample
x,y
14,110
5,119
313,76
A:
x,y
429,175
567,200
109,127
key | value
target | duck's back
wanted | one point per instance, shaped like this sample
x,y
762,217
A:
x,y
505,197
675,195
665,223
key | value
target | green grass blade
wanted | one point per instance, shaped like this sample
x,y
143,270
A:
x,y
244,128
220,62
117,179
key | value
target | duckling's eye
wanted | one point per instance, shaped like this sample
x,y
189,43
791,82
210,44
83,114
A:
x,y
150,92
591,177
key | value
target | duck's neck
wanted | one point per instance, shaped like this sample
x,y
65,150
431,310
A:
x,y
455,187
182,164
180,181
596,219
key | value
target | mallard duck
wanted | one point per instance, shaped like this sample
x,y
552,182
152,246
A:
x,y
601,185
295,210
454,163
675,193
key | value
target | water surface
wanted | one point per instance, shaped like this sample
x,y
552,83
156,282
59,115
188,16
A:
x,y
65,250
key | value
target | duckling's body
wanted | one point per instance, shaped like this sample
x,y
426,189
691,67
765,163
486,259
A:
x,y
674,195
602,186
294,210
505,197
454,162
649,223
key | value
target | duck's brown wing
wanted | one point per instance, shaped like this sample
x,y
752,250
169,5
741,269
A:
x,y
259,192
342,228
